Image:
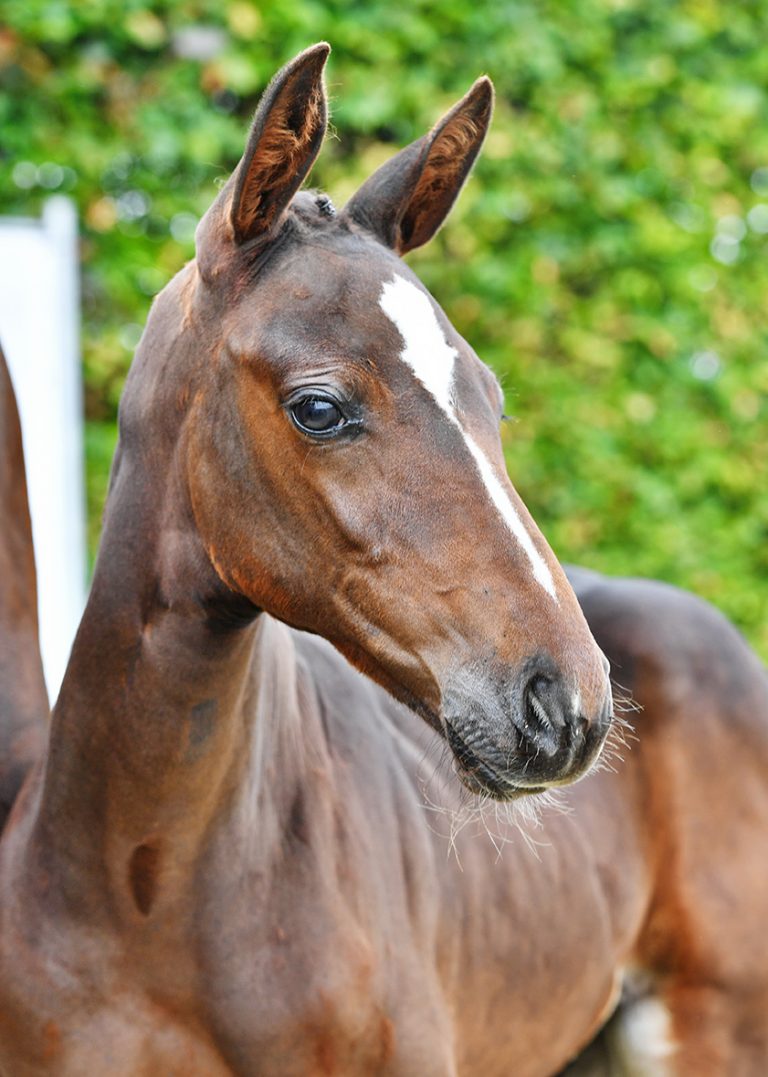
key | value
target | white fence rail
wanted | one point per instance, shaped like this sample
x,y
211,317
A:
x,y
39,330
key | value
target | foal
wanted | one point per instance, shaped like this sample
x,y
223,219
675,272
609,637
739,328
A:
x,y
23,697
223,864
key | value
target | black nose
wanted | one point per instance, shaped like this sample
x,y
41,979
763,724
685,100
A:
x,y
554,734
547,716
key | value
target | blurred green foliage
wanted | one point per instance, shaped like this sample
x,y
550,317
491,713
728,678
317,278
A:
x,y
608,257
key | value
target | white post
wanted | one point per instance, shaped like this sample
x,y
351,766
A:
x,y
39,331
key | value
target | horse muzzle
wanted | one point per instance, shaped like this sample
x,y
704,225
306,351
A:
x,y
509,740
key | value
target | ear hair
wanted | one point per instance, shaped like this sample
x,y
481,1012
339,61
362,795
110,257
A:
x,y
405,201
285,138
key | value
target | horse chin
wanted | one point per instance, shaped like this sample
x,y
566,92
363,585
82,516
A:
x,y
495,787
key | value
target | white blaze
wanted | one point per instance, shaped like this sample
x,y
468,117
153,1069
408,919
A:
x,y
431,358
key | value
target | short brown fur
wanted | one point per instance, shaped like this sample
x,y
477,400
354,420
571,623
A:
x,y
223,863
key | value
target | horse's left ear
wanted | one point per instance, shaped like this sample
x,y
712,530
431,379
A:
x,y
406,200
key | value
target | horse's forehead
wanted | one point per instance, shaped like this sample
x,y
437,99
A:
x,y
320,299
342,281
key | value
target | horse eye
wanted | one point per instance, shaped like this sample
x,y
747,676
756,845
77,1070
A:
x,y
317,415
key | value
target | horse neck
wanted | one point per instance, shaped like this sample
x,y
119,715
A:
x,y
173,699
23,697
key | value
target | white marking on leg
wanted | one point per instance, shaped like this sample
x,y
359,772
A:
x,y
431,358
644,1041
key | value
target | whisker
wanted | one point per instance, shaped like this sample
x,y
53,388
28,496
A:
x,y
500,821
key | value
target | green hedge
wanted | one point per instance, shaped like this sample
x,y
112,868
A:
x,y
608,257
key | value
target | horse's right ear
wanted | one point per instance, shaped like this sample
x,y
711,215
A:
x,y
286,136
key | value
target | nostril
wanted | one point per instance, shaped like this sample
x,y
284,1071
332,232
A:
x,y
544,699
543,719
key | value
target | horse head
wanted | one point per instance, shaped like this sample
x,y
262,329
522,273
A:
x,y
336,443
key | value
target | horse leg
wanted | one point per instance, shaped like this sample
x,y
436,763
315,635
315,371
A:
x,y
635,1042
684,1031
716,1032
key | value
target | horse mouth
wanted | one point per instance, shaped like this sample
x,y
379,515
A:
x,y
479,776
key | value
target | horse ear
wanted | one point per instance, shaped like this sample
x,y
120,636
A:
x,y
406,200
285,139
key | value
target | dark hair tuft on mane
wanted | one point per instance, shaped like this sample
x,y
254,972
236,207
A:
x,y
325,207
